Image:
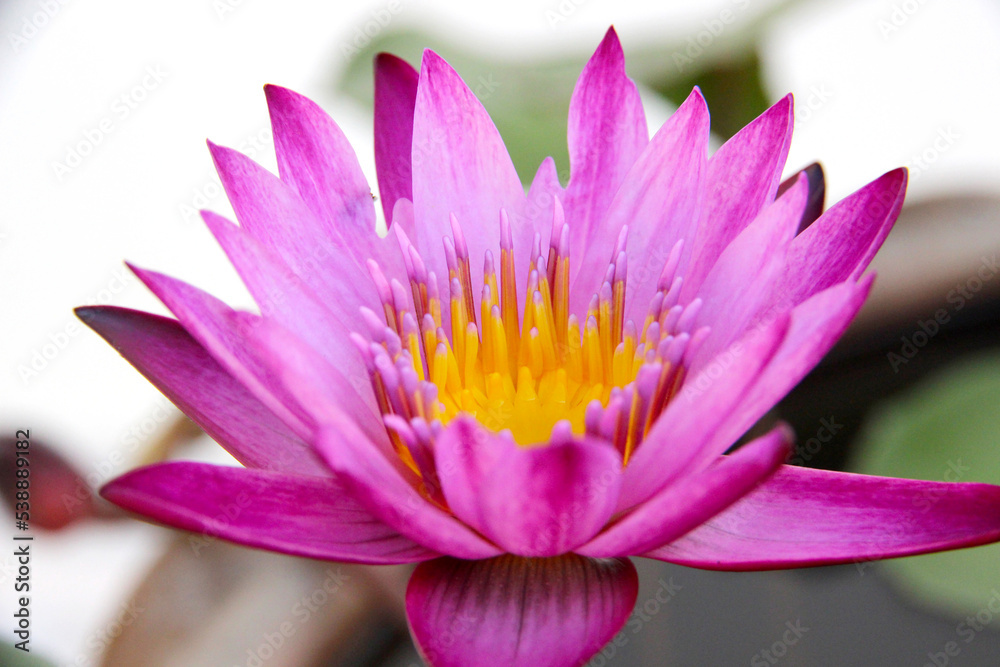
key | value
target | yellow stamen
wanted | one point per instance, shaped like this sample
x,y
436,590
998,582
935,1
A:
x,y
524,367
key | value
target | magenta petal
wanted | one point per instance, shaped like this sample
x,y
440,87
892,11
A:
x,y
545,184
211,323
179,367
803,517
272,214
282,295
693,500
744,277
543,612
322,390
545,189
290,514
316,159
679,440
461,167
741,180
840,244
393,498
606,133
530,501
395,98
267,208
811,329
659,200
814,327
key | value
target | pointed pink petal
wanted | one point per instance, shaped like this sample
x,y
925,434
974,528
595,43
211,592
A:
x,y
841,243
211,323
660,202
270,212
814,327
693,500
810,330
461,167
740,182
393,498
324,323
315,158
742,383
679,441
290,514
179,367
545,183
395,98
530,501
802,517
267,208
551,612
542,194
746,273
607,132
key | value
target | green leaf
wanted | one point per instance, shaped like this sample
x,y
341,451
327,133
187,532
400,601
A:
x,y
12,657
733,90
945,429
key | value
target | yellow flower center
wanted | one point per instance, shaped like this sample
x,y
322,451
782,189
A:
x,y
528,367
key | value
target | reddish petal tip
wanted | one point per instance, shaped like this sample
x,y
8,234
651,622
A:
x,y
274,92
384,60
611,45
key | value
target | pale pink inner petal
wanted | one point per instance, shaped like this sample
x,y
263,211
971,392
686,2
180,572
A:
x,y
659,201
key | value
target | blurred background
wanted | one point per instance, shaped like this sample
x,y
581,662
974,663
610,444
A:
x,y
105,107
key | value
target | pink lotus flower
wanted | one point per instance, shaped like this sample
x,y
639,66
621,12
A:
x,y
489,391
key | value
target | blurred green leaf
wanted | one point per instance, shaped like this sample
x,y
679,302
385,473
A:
x,y
529,104
12,657
733,90
529,101
945,429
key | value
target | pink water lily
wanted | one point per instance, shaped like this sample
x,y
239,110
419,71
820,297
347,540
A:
x,y
521,390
